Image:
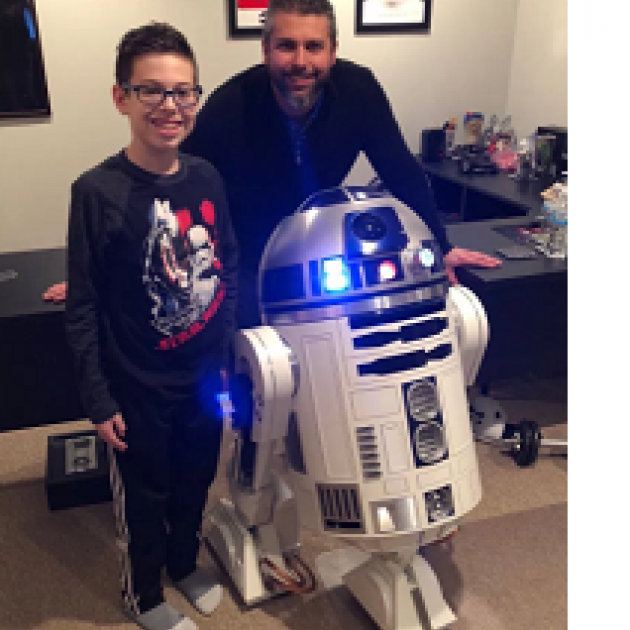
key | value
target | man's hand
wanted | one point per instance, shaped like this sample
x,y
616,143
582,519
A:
x,y
57,293
459,257
111,431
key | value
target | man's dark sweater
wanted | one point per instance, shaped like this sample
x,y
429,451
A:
x,y
243,132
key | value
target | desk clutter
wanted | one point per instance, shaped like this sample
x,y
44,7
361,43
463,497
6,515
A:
x,y
474,160
548,233
495,148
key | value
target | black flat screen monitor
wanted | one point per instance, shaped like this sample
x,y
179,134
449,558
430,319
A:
x,y
23,90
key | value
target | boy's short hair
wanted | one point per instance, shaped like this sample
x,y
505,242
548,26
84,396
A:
x,y
301,7
156,37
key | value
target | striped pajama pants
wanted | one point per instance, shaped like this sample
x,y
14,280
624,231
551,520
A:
x,y
160,486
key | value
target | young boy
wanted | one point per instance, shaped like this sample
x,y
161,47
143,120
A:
x,y
152,263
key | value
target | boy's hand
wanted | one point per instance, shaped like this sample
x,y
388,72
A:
x,y
57,293
112,430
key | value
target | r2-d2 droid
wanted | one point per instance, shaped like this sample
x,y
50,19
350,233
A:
x,y
359,376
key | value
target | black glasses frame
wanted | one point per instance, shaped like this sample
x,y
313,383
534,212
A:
x,y
197,89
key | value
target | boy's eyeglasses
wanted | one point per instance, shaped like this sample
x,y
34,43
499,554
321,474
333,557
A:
x,y
154,96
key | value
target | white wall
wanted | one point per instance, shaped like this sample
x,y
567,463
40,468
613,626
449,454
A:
x,y
463,64
538,79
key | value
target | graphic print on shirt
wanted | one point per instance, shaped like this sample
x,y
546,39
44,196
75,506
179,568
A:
x,y
181,271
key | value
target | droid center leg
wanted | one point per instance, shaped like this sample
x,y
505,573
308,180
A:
x,y
400,592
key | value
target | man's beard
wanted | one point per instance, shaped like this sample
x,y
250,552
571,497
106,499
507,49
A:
x,y
304,101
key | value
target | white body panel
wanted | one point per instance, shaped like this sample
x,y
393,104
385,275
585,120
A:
x,y
472,330
335,405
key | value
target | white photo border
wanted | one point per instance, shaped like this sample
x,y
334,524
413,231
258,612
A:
x,y
240,24
388,26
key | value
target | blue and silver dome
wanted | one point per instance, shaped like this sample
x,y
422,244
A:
x,y
347,251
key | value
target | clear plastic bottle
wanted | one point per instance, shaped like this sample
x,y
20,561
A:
x,y
556,212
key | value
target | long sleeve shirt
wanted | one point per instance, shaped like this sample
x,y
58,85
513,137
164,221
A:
x,y
152,274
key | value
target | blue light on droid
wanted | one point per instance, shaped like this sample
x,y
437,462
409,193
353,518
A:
x,y
335,274
211,395
225,403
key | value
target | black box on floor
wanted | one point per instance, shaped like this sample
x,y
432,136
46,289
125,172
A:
x,y
77,470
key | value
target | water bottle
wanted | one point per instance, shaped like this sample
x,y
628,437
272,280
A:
x,y
556,213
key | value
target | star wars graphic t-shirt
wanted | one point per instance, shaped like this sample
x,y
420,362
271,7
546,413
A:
x,y
152,263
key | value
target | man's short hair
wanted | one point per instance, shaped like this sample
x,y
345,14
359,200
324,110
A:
x,y
155,37
301,7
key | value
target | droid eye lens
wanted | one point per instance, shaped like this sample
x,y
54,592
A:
x,y
369,227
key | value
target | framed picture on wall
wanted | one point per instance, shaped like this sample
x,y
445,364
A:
x,y
246,17
393,16
23,89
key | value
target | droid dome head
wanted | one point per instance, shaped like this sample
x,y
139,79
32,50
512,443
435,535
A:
x,y
345,251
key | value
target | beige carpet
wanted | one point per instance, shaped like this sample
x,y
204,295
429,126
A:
x,y
505,570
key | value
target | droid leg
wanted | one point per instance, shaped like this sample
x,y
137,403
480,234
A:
x,y
260,559
394,590
255,535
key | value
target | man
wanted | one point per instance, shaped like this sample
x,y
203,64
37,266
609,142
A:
x,y
282,130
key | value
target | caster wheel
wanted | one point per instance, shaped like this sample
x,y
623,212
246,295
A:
x,y
527,442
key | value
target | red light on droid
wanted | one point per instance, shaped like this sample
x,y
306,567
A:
x,y
386,271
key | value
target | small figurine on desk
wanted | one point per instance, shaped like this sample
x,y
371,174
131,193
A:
x,y
449,136
473,126
506,131
501,145
473,155
491,131
544,155
535,158
525,168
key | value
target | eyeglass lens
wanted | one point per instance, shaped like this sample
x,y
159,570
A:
x,y
153,95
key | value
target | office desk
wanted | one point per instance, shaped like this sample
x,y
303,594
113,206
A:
x,y
463,197
36,383
526,303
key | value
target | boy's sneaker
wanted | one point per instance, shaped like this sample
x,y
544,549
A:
x,y
163,617
201,590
